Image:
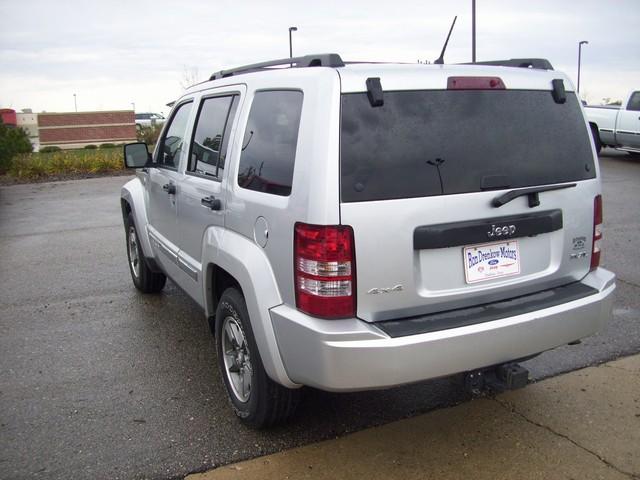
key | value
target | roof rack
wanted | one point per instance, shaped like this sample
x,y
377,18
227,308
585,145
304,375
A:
x,y
318,60
538,63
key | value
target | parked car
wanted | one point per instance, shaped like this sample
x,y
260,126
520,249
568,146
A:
x,y
148,119
617,127
361,226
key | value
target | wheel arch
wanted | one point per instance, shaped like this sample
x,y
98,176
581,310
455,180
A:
x,y
219,281
132,200
230,259
125,207
595,132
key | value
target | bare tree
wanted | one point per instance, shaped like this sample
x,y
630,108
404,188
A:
x,y
190,76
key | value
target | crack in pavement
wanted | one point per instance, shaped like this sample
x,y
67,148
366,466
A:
x,y
512,409
62,231
627,282
628,370
75,298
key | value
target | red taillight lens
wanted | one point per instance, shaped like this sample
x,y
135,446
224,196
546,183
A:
x,y
324,268
597,231
475,83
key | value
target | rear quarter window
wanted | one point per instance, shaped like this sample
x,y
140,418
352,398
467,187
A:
x,y
269,145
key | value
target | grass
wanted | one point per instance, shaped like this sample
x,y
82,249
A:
x,y
35,166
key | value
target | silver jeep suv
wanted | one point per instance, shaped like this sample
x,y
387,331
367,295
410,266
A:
x,y
362,226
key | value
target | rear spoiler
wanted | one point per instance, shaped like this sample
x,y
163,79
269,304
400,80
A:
x,y
537,63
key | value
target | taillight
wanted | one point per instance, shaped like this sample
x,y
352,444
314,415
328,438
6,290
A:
x,y
475,83
597,231
324,267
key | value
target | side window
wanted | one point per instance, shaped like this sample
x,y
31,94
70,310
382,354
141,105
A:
x,y
225,138
270,141
634,102
210,134
172,142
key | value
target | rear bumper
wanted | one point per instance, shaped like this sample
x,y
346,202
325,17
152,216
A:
x,y
350,354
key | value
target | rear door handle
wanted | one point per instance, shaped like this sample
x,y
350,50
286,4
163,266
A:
x,y
170,188
211,202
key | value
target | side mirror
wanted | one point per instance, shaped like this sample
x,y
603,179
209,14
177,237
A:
x,y
136,155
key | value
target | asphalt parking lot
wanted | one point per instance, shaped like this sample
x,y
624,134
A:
x,y
98,381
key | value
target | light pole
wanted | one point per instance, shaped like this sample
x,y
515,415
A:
x,y
291,29
75,104
133,106
473,31
583,42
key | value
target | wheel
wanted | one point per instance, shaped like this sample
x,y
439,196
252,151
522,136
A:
x,y
145,279
256,399
596,138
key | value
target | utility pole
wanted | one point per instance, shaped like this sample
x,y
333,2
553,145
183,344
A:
x,y
583,42
291,29
473,31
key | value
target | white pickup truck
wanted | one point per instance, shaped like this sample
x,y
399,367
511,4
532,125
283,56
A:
x,y
617,127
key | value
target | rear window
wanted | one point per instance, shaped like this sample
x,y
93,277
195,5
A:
x,y
442,142
634,102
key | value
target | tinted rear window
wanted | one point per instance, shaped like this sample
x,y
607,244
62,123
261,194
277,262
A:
x,y
270,141
439,142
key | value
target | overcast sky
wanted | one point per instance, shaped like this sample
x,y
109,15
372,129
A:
x,y
113,53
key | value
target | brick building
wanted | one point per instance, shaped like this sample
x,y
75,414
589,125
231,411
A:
x,y
8,116
28,121
75,130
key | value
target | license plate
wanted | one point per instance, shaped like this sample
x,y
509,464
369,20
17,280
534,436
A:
x,y
491,260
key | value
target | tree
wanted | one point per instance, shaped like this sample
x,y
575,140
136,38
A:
x,y
190,76
12,142
213,143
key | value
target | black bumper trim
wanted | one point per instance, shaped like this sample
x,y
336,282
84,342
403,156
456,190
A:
x,y
485,313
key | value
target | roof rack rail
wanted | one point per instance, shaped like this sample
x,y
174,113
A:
x,y
318,60
538,63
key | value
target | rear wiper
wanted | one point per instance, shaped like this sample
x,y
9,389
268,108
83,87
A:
x,y
532,193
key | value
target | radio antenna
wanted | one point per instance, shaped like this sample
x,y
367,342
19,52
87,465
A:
x,y
440,59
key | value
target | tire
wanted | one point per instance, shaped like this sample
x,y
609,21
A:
x,y
144,279
596,138
257,400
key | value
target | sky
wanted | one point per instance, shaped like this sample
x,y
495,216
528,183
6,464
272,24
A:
x,y
113,54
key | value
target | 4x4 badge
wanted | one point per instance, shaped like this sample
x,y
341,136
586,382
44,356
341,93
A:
x,y
375,291
505,231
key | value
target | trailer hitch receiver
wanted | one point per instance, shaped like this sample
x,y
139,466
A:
x,y
507,376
